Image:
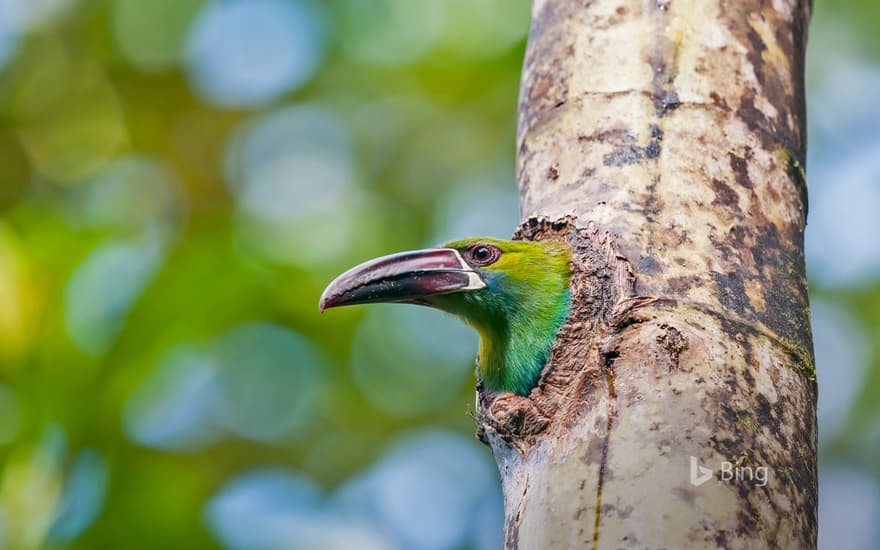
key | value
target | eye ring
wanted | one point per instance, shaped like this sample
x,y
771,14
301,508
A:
x,y
484,254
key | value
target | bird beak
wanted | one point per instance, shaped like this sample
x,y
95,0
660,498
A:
x,y
404,277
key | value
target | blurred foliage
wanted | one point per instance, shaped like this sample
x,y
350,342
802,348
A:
x,y
179,178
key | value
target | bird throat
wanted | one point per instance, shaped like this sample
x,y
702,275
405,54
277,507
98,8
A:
x,y
512,354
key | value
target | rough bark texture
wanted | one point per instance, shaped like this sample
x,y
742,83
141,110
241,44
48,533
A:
x,y
665,141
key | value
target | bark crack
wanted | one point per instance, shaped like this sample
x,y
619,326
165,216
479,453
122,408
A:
x,y
612,411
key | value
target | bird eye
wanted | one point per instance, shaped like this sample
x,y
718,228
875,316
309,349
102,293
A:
x,y
484,254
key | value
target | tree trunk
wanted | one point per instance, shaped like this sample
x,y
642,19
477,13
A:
x,y
665,140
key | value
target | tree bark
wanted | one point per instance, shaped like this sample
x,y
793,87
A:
x,y
665,140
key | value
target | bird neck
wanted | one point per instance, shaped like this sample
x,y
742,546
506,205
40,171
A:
x,y
514,348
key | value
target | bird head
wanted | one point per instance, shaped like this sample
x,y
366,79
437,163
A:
x,y
514,293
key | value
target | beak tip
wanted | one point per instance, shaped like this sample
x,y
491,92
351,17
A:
x,y
327,300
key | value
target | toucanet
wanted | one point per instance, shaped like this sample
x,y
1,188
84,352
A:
x,y
515,294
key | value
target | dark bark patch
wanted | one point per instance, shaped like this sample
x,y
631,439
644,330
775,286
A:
x,y
755,53
747,521
665,101
737,332
719,101
786,303
726,196
615,134
648,264
656,132
765,128
756,121
684,494
740,168
679,286
617,17
726,250
748,377
626,151
764,412
781,87
674,343
797,175
731,292
721,539
629,153
651,208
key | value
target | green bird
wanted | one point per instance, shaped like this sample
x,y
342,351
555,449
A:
x,y
515,294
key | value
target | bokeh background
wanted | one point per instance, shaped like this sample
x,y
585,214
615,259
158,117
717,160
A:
x,y
179,179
